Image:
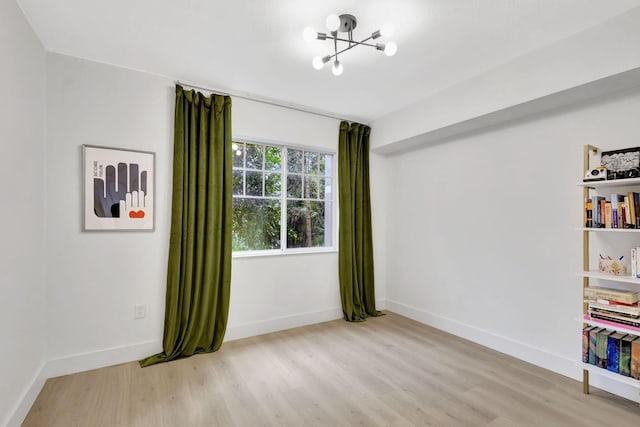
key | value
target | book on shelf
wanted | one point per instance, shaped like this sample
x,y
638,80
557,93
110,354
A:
x,y
627,210
617,320
597,210
613,351
637,211
602,341
616,295
585,342
593,338
635,359
630,310
616,303
589,213
614,211
634,262
608,215
624,367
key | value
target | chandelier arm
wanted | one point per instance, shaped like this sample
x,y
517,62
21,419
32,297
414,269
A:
x,y
343,50
352,42
362,43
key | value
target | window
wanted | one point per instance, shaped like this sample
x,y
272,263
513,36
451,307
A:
x,y
282,198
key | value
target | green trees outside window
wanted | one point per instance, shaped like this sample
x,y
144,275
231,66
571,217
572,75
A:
x,y
282,197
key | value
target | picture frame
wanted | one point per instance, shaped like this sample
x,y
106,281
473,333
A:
x,y
118,188
620,164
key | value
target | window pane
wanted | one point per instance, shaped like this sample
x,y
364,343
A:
x,y
255,154
294,160
272,184
308,224
310,162
325,189
326,164
256,224
254,183
260,200
310,187
294,186
237,183
273,158
238,154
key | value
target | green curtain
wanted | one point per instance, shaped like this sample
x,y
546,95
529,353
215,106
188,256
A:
x,y
356,243
199,270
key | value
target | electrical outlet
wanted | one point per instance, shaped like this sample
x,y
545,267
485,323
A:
x,y
140,311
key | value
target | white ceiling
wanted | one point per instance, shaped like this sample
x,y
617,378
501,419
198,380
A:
x,y
256,47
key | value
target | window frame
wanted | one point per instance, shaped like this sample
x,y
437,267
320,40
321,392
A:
x,y
284,250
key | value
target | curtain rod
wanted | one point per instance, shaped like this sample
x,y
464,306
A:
x,y
273,102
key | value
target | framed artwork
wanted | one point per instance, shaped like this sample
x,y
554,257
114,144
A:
x,y
623,163
118,189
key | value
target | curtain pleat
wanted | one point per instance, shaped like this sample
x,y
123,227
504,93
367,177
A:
x,y
199,268
357,284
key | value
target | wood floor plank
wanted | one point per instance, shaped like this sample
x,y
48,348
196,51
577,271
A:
x,y
388,371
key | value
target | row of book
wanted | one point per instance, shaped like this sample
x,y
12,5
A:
x,y
621,211
611,350
615,351
613,305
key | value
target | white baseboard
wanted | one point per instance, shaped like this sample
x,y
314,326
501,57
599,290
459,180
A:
x,y
540,357
17,416
250,329
101,358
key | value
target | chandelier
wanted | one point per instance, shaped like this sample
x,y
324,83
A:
x,y
346,24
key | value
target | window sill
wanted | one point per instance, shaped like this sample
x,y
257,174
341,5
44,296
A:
x,y
253,254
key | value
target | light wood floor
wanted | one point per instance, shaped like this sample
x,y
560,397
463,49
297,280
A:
x,y
387,371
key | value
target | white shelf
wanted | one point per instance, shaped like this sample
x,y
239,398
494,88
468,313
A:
x,y
610,325
611,183
611,230
611,375
595,274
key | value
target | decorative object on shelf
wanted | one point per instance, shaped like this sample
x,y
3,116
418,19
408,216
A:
x,y
617,266
599,173
118,189
621,164
346,24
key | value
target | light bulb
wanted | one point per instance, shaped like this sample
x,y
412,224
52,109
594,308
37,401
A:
x,y
333,22
238,153
387,30
234,146
337,68
309,34
317,63
390,49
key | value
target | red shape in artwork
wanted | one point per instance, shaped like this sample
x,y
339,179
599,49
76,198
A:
x,y
136,214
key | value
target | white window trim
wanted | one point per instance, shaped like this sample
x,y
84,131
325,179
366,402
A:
x,y
283,216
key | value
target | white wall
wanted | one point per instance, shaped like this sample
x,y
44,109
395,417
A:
x,y
482,238
95,279
596,53
22,173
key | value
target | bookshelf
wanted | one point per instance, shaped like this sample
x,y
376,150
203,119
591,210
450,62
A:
x,y
610,230
611,375
597,274
588,275
613,183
